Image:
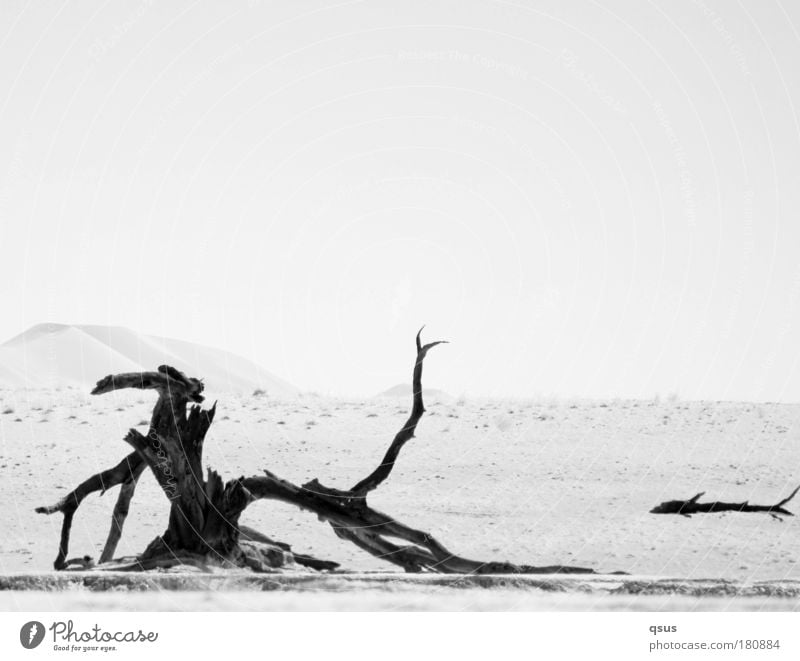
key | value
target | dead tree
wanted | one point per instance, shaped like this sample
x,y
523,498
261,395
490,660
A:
x,y
203,528
691,506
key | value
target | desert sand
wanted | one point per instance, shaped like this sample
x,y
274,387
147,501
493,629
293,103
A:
x,y
535,482
177,590
538,482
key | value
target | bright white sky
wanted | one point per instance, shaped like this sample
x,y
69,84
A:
x,y
587,199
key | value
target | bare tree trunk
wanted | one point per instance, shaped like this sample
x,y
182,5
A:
x,y
203,528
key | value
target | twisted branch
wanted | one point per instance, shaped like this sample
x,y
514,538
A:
x,y
128,469
407,432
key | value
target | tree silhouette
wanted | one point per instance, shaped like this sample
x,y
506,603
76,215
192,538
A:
x,y
204,529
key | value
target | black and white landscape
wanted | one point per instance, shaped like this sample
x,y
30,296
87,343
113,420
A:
x,y
222,226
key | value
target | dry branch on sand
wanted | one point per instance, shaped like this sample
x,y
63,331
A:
x,y
691,506
204,530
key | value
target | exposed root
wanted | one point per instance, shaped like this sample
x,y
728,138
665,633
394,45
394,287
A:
x,y
127,469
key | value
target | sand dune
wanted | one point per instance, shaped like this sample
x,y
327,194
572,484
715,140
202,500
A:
x,y
403,390
52,355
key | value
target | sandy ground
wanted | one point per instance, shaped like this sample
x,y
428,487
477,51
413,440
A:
x,y
539,482
443,600
176,590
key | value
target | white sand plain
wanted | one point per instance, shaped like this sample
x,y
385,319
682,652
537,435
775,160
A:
x,y
537,482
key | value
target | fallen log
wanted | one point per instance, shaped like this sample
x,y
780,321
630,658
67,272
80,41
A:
x,y
692,506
